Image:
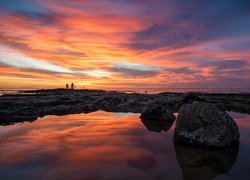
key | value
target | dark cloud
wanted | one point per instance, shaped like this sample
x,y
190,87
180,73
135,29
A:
x,y
224,64
46,18
21,5
182,23
230,72
133,72
30,11
162,35
183,70
242,46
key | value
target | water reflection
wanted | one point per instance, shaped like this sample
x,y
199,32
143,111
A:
x,y
105,145
94,146
205,164
157,126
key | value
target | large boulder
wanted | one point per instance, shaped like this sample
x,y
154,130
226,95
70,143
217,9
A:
x,y
155,111
203,124
190,98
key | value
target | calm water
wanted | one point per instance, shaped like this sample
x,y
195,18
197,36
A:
x,y
155,90
185,90
105,145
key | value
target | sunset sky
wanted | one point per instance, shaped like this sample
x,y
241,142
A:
x,y
124,43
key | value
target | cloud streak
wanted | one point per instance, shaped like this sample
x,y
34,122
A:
x,y
16,59
100,43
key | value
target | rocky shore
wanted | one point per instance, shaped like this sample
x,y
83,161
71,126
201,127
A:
x,y
33,104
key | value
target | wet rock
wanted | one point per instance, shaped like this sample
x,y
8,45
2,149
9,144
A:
x,y
155,111
190,98
39,103
203,124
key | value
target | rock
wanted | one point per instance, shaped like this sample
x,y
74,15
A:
x,y
31,104
190,98
203,124
154,111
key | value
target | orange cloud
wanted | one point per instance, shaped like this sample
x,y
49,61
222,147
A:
x,y
88,38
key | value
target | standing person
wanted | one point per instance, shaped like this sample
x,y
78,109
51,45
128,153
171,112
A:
x,y
67,86
72,86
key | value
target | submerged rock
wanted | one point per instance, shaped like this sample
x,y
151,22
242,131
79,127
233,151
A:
x,y
203,124
154,111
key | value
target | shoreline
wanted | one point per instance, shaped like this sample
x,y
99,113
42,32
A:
x,y
32,104
148,90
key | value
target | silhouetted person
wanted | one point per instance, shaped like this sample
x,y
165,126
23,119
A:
x,y
72,86
67,86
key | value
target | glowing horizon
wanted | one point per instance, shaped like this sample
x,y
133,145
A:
x,y
113,44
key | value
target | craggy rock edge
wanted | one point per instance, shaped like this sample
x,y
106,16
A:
x,y
28,107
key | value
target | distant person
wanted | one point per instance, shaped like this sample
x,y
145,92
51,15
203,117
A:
x,y
72,86
67,86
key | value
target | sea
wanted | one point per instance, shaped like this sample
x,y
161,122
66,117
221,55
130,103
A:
x,y
186,90
153,90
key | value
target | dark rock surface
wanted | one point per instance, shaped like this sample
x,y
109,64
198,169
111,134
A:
x,y
28,107
156,112
190,98
203,124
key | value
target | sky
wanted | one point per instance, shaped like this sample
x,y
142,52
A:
x,y
115,44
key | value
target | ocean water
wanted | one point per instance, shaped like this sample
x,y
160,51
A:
x,y
154,90
13,91
185,90
104,145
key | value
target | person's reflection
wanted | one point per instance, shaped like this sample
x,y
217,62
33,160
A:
x,y
157,126
205,164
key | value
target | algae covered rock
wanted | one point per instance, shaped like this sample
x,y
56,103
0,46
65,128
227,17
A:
x,y
203,124
155,111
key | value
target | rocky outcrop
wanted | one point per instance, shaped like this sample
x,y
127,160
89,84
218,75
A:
x,y
155,111
33,104
203,124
